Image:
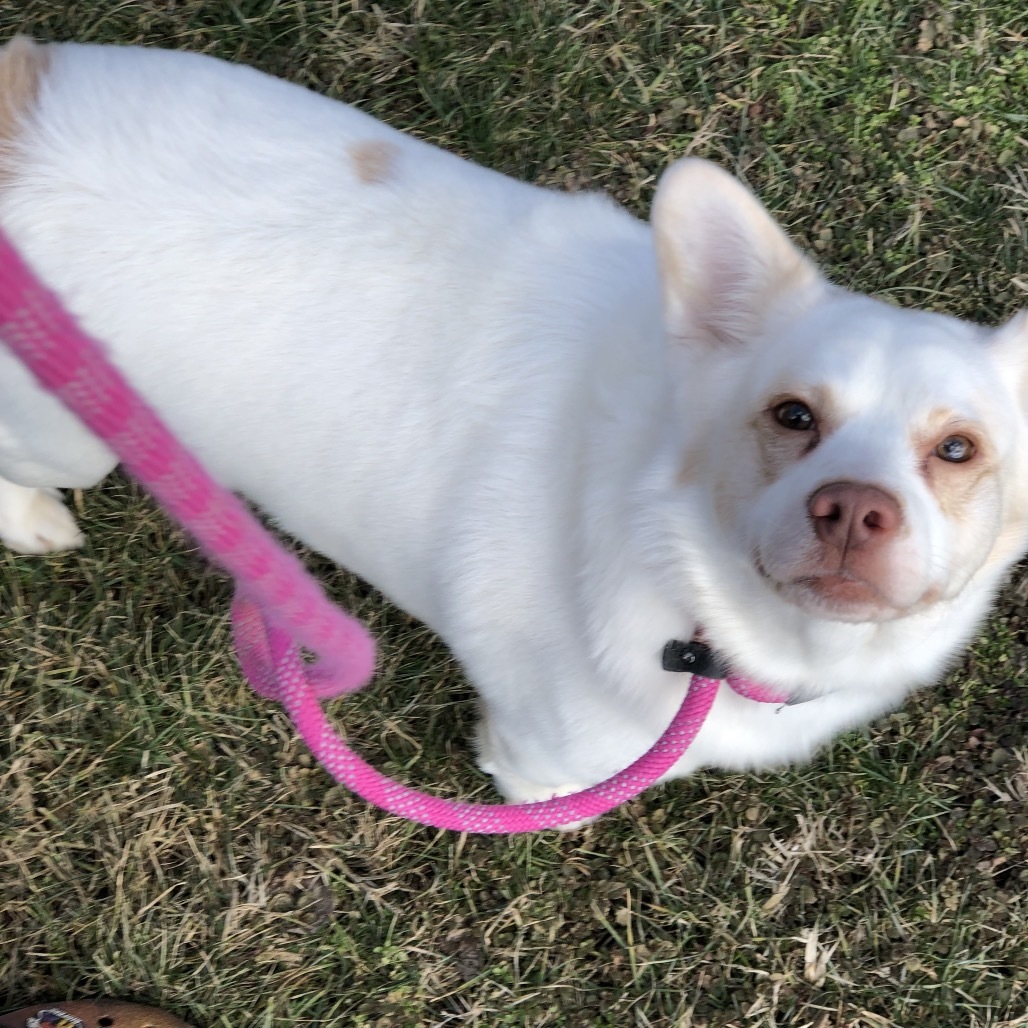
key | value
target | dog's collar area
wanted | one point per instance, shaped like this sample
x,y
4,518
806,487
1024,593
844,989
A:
x,y
695,657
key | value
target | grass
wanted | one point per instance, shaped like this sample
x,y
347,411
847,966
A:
x,y
162,834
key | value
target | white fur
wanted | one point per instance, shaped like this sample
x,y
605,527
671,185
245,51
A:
x,y
508,408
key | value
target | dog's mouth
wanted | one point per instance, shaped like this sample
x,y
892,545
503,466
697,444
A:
x,y
835,596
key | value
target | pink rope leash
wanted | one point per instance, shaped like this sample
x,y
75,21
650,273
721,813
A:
x,y
278,607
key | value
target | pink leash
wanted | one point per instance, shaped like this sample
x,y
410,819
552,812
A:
x,y
278,607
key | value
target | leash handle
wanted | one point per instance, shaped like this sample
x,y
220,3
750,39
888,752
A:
x,y
278,605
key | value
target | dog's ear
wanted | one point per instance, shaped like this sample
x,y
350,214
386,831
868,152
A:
x,y
1009,346
724,261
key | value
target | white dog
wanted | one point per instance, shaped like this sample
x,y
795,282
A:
x,y
558,435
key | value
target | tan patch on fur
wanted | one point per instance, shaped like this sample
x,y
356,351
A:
x,y
781,447
954,485
1009,544
373,160
825,405
939,422
23,64
692,461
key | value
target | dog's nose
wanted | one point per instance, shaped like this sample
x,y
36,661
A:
x,y
849,515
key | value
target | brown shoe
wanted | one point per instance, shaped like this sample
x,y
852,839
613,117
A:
x,y
103,1013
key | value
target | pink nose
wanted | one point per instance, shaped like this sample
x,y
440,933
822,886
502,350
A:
x,y
850,516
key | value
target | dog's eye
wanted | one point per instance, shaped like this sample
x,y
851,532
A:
x,y
794,415
956,449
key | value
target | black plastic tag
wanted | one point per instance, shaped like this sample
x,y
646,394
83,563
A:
x,y
694,657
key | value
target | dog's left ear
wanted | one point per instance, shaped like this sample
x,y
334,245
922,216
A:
x,y
1009,345
724,261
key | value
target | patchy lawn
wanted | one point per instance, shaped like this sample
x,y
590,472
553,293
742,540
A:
x,y
163,835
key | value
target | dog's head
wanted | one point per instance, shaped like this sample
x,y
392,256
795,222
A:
x,y
866,461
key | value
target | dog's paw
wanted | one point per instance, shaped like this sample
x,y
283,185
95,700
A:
x,y
36,521
525,792
513,787
518,790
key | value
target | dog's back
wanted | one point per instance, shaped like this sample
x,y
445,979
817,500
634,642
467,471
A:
x,y
351,265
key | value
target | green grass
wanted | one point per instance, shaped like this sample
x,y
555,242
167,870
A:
x,y
163,835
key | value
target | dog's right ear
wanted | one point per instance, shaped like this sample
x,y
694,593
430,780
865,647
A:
x,y
724,261
1009,346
